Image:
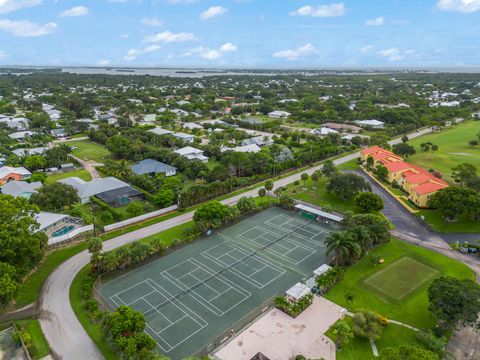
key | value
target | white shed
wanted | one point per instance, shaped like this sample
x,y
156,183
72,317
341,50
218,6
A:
x,y
297,292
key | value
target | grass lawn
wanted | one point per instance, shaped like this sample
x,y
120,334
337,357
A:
x,y
40,347
411,309
316,193
30,290
89,150
392,336
400,278
82,174
453,149
462,225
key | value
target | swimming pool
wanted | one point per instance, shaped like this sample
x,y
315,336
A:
x,y
64,230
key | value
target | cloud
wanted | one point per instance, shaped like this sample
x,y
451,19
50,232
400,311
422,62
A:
x,y
104,62
228,47
294,54
3,54
212,12
132,54
366,48
378,21
336,9
392,54
209,53
462,6
27,28
152,21
169,37
75,11
181,1
7,6
124,36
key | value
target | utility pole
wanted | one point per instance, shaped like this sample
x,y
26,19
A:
x,y
92,210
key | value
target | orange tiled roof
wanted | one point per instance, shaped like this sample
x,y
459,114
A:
x,y
371,150
428,188
397,166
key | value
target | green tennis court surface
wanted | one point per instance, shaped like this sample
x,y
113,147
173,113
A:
x,y
200,291
400,278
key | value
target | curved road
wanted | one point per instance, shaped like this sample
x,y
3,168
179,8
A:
x,y
65,334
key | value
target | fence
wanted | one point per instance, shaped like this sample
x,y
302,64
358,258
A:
x,y
69,236
226,335
140,218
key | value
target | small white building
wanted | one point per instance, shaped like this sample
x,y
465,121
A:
x,y
189,138
279,114
322,270
374,124
251,148
192,153
297,292
160,131
323,131
191,126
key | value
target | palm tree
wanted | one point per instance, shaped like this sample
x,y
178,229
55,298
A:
x,y
343,247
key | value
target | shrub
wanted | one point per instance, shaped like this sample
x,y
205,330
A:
x,y
327,280
293,308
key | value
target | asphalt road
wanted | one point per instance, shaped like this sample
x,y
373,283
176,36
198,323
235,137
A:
x,y
65,334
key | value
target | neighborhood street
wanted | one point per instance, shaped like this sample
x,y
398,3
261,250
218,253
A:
x,y
65,334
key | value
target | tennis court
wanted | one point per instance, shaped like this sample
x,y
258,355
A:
x,y
207,288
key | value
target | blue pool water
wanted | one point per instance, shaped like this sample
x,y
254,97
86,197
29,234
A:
x,y
64,230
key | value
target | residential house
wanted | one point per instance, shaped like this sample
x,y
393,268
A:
x,y
252,121
58,133
149,119
252,148
20,135
20,188
189,138
258,140
374,124
9,173
279,114
192,153
115,191
380,156
342,127
159,131
322,132
191,125
29,152
153,167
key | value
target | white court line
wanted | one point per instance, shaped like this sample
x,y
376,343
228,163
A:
x,y
130,287
240,274
158,312
202,326
310,240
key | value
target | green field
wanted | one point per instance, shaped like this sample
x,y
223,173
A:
x,y
411,309
82,174
89,150
453,149
400,278
393,336
39,347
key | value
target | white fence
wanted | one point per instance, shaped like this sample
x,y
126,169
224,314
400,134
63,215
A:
x,y
139,218
70,235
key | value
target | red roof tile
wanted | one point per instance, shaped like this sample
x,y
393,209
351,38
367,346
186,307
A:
x,y
370,150
397,166
428,188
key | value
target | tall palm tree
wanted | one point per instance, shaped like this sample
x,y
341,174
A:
x,y
343,247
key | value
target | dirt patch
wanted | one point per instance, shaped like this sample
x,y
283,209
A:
x,y
460,153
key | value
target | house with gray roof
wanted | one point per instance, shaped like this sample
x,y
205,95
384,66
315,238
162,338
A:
x,y
153,167
20,188
119,192
160,131
258,140
185,137
29,152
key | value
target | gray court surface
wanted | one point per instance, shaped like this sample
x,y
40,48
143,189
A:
x,y
201,290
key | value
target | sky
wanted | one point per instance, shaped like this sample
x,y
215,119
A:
x,y
240,33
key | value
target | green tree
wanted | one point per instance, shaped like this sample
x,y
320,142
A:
x,y
21,244
317,174
463,173
304,178
343,247
55,196
262,193
164,198
404,149
455,201
286,201
407,352
246,205
135,208
369,202
431,341
34,162
368,324
211,215
346,186
342,333
404,138
370,162
269,185
454,302
329,169
8,283
95,247
382,172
